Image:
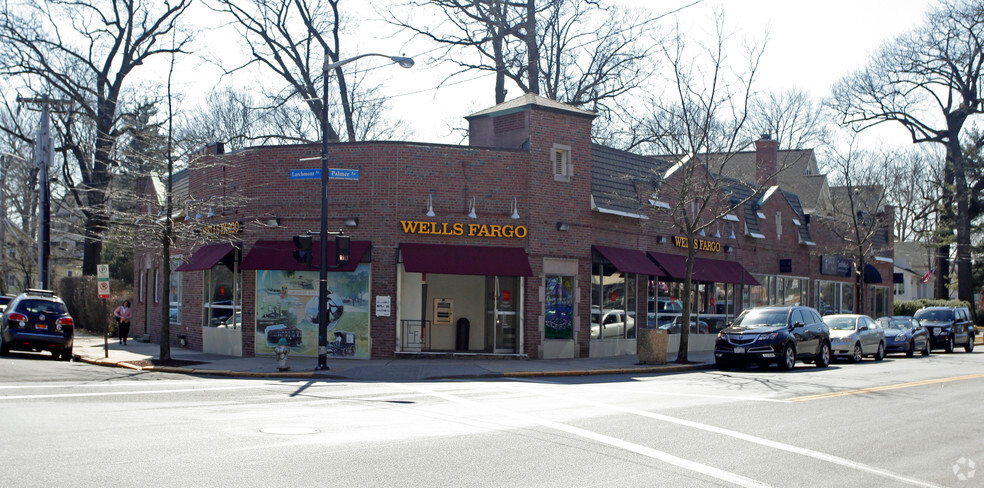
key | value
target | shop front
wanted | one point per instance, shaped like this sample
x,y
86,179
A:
x,y
461,299
286,300
222,297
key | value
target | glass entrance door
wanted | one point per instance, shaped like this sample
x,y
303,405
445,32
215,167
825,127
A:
x,y
502,306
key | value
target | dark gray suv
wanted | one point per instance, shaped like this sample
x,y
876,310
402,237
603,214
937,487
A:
x,y
780,335
948,327
37,320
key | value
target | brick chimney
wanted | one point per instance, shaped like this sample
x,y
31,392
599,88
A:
x,y
766,160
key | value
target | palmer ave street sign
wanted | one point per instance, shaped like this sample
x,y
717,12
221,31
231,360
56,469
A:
x,y
333,174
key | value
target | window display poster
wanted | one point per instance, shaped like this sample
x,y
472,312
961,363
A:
x,y
287,308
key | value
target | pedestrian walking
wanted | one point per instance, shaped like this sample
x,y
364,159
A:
x,y
122,315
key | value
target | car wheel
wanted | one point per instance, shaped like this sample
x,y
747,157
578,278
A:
x,y
788,359
4,348
823,359
66,354
723,364
912,348
881,352
948,347
925,351
857,355
970,344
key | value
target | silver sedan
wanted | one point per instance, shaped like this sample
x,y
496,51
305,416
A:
x,y
855,336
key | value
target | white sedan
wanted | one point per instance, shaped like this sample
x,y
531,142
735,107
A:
x,y
855,336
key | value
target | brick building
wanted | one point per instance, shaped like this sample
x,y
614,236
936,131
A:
x,y
530,241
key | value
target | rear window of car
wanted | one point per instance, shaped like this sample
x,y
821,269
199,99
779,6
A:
x,y
41,306
938,315
5,300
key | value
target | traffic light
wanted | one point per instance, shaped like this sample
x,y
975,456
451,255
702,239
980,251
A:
x,y
343,245
303,253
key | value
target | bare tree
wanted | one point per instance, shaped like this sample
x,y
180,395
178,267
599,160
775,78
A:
x,y
85,51
913,185
928,81
295,39
792,118
703,120
859,224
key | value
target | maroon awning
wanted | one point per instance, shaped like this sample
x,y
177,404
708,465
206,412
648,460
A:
x,y
705,269
280,255
719,271
674,265
630,261
206,257
465,260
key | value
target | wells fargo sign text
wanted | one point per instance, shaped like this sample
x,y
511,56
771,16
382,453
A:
x,y
699,244
470,230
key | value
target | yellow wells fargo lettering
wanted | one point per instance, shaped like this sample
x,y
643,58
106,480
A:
x,y
470,230
223,228
699,244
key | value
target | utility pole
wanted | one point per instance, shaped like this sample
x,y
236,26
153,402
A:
x,y
43,156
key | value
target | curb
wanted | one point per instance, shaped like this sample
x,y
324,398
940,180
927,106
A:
x,y
667,368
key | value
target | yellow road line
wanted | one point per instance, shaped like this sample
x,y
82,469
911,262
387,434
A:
x,y
875,389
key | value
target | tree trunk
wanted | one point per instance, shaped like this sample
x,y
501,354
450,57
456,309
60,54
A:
x,y
532,50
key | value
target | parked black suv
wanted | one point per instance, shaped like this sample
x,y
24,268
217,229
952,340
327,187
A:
x,y
779,335
948,327
37,320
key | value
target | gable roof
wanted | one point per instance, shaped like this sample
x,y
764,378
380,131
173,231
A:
x,y
799,174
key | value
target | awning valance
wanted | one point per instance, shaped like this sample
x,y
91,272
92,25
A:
x,y
279,255
630,261
465,260
206,257
871,274
705,269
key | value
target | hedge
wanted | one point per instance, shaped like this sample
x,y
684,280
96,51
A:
x,y
909,307
88,311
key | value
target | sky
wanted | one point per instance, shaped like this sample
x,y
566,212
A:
x,y
811,45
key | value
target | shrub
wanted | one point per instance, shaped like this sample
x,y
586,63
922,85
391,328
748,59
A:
x,y
90,312
909,307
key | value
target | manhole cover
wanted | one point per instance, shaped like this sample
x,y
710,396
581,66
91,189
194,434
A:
x,y
288,430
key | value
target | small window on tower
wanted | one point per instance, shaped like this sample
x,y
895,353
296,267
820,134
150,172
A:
x,y
561,162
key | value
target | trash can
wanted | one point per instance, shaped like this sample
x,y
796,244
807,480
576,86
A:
x,y
651,346
461,334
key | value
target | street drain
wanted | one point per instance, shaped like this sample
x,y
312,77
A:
x,y
288,430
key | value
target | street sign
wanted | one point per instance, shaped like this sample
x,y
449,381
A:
x,y
102,283
305,174
343,174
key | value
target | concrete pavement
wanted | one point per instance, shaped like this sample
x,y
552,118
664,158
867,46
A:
x,y
138,355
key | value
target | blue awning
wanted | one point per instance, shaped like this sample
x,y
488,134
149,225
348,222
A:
x,y
871,274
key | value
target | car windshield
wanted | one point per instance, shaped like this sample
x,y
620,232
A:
x,y
759,318
840,323
894,323
938,315
41,306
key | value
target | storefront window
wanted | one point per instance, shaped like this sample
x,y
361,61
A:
x,y
174,293
834,297
223,297
776,290
559,307
879,301
612,309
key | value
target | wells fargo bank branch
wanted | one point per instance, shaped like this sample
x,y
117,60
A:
x,y
513,245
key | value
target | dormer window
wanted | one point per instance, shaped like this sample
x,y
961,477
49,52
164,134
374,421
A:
x,y
561,162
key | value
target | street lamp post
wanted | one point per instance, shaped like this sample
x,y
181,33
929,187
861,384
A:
x,y
323,252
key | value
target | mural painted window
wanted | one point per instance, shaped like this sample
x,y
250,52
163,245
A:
x,y
174,292
559,307
287,308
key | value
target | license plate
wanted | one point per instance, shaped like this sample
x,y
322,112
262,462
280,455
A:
x,y
41,326
739,350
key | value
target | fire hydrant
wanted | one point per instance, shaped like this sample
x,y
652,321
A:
x,y
283,355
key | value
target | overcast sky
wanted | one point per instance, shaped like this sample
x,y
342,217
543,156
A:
x,y
811,45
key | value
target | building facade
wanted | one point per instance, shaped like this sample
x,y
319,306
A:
x,y
529,242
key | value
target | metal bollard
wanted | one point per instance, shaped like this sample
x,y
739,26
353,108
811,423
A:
x,y
283,355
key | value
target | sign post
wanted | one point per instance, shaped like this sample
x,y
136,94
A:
x,y
102,288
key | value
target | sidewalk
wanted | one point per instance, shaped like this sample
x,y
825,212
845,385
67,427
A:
x,y
138,355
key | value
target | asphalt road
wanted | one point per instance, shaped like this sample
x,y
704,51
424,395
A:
x,y
899,422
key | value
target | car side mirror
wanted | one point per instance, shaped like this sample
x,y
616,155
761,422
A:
x,y
798,324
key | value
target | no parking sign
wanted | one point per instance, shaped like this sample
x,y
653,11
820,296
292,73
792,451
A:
x,y
102,285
